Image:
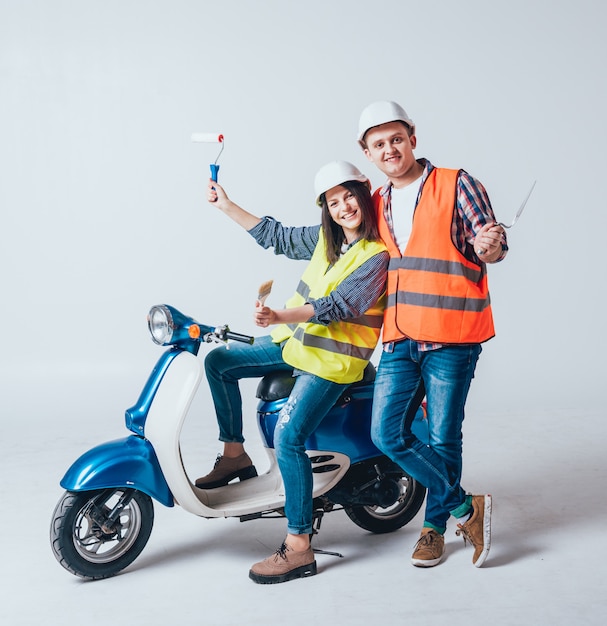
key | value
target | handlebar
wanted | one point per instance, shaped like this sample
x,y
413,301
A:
x,y
238,337
170,327
223,334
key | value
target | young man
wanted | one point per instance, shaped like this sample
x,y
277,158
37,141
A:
x,y
440,230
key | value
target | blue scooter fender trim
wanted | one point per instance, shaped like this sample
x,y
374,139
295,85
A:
x,y
130,462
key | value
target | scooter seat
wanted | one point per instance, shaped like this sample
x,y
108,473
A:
x,y
277,385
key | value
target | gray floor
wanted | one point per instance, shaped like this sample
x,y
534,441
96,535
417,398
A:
x,y
546,471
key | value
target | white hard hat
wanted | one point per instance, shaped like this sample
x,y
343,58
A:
x,y
382,112
336,173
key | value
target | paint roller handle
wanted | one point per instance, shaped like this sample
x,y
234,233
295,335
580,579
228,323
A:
x,y
214,170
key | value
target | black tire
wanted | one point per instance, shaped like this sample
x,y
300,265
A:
x,y
386,520
84,547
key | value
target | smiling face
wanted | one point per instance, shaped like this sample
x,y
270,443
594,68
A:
x,y
390,148
344,210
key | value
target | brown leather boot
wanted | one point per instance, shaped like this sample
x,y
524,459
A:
x,y
285,564
227,469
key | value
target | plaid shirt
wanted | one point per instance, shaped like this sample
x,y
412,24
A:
x,y
473,211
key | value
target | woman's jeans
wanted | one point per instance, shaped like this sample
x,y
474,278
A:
x,y
224,368
309,402
404,376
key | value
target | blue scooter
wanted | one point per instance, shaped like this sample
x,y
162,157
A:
x,y
105,517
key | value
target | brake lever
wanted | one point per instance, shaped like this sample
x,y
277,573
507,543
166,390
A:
x,y
216,336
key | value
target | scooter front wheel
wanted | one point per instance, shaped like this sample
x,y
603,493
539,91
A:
x,y
378,520
96,534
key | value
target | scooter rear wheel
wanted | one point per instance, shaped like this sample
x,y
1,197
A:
x,y
386,520
88,542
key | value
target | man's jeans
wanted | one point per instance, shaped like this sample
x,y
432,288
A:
x,y
404,376
310,400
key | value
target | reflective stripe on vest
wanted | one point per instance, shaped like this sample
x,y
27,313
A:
x,y
331,345
339,351
435,294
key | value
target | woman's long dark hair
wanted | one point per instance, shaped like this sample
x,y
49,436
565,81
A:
x,y
334,234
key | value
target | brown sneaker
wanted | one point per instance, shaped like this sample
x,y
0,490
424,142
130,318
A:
x,y
477,530
429,548
227,469
285,564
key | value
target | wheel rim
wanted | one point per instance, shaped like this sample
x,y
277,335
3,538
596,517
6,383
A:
x,y
406,493
99,545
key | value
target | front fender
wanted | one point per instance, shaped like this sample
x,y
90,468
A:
x,y
130,462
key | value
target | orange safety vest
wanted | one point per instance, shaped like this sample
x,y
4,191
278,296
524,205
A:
x,y
434,293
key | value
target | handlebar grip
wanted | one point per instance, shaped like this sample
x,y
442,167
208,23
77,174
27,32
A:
x,y
238,337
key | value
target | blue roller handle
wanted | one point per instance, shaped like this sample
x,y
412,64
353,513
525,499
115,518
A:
x,y
214,170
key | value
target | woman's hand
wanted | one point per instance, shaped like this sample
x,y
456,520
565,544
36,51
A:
x,y
216,194
264,315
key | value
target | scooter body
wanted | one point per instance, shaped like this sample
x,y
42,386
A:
x,y
110,487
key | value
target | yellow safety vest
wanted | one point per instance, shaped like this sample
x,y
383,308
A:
x,y
339,351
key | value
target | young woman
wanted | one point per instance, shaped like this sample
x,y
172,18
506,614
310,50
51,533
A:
x,y
325,335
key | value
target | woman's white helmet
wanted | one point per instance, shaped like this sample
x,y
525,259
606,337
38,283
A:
x,y
336,173
382,112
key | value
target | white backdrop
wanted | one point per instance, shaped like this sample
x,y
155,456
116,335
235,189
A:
x,y
102,194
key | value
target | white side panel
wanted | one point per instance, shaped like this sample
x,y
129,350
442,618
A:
x,y
267,492
163,430
325,480
165,421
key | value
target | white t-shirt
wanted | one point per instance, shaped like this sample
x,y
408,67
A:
x,y
403,205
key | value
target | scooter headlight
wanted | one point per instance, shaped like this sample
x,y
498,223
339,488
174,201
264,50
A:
x,y
160,323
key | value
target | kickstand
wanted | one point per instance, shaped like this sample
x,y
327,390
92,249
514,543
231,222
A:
x,y
316,521
327,552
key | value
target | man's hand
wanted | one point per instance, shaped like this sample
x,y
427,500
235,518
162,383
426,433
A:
x,y
488,242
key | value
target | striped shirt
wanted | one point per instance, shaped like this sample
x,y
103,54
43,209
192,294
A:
x,y
473,211
352,297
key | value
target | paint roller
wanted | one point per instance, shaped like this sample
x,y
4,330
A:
x,y
210,138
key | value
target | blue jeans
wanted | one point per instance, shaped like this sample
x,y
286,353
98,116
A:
x,y
310,400
224,368
405,375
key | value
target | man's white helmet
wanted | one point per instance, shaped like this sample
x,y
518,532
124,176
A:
x,y
382,112
336,173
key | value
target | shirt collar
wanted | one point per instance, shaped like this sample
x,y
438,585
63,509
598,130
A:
x,y
428,167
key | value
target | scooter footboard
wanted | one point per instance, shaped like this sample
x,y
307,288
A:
x,y
129,462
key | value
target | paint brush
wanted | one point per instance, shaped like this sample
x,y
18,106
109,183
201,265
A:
x,y
264,291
